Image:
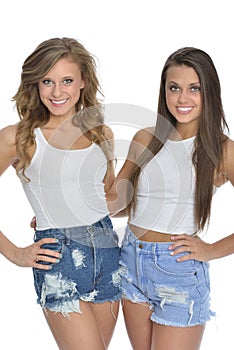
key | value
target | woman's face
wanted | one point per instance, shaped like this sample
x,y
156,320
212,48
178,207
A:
x,y
59,89
183,96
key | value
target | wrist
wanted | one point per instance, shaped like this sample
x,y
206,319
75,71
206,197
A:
x,y
212,254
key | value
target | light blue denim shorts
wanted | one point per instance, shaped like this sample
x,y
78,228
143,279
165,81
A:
x,y
178,293
88,270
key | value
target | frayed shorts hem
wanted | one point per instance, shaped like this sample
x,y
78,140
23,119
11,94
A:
x,y
172,324
70,306
163,322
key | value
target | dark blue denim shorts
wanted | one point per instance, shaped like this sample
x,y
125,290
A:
x,y
88,270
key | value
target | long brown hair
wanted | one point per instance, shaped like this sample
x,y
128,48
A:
x,y
208,144
32,111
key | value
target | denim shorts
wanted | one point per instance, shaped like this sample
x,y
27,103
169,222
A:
x,y
88,270
178,293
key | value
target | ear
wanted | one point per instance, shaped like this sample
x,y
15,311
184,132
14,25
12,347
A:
x,y
82,84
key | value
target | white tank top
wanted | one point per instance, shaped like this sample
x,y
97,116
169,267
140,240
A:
x,y
165,196
66,187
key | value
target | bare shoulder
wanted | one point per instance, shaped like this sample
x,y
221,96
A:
x,y
144,136
108,132
228,149
8,153
230,145
228,159
8,134
139,142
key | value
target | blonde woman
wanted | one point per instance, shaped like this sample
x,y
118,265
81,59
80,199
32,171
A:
x,y
62,152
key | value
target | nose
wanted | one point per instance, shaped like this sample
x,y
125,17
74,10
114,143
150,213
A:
x,y
57,90
183,96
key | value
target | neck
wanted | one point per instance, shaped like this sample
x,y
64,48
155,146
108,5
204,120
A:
x,y
182,132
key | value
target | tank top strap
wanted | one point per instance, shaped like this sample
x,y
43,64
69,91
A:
x,y
40,138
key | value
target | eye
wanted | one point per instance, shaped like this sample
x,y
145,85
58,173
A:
x,y
67,81
174,88
47,82
195,88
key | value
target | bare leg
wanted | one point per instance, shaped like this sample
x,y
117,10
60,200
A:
x,y
106,315
79,332
174,338
138,324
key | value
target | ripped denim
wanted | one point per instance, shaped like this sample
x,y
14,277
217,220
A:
x,y
88,270
178,293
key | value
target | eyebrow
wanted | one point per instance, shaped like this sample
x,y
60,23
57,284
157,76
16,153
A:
x,y
192,84
47,77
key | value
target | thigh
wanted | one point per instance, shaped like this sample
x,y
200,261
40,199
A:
x,y
174,338
106,315
77,331
138,324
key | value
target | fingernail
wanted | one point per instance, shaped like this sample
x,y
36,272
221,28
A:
x,y
57,260
60,256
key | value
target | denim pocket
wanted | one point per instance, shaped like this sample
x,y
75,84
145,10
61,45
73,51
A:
x,y
168,265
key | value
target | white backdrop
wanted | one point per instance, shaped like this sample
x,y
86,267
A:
x,y
131,40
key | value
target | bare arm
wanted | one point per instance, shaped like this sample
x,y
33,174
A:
x,y
198,249
110,174
30,255
121,192
20,256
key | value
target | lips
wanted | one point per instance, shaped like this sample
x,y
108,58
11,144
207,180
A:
x,y
184,110
58,102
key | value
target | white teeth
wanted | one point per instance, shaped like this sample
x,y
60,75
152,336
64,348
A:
x,y
58,102
184,109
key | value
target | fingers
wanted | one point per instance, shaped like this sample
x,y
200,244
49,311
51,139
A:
x,y
46,241
42,266
181,241
180,237
184,244
38,263
33,223
45,255
43,261
188,256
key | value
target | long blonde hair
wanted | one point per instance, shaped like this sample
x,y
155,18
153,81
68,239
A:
x,y
32,111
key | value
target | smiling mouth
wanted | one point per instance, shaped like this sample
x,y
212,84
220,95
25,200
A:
x,y
184,109
58,103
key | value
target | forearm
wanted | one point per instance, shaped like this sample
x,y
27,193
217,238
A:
x,y
222,248
120,214
7,248
31,255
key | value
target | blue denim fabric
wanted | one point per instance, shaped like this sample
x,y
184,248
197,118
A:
x,y
178,293
88,269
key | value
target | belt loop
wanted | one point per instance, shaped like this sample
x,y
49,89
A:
x,y
68,236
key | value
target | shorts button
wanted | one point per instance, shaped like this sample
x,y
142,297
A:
x,y
140,245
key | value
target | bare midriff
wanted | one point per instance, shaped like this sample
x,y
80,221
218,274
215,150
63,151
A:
x,y
150,236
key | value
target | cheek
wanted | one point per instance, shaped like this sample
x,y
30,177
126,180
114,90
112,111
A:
x,y
76,94
41,92
170,100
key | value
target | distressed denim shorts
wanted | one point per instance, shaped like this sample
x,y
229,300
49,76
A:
x,y
88,269
178,293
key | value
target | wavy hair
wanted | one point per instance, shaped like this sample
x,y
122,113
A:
x,y
32,111
208,147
